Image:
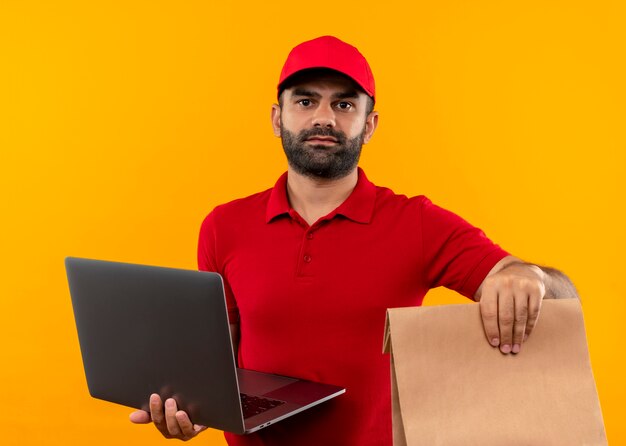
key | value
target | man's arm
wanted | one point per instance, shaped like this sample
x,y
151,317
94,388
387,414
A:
x,y
510,299
234,337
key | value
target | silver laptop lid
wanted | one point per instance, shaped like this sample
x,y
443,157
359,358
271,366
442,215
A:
x,y
145,329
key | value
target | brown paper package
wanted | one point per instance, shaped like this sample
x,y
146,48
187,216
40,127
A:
x,y
451,388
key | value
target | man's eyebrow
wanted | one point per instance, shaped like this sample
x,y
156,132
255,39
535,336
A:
x,y
303,92
350,94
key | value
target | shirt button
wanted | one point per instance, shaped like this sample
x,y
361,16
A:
x,y
309,235
307,258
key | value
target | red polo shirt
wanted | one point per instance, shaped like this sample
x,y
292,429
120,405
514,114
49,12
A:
x,y
311,300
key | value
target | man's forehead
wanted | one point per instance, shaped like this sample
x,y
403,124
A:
x,y
324,81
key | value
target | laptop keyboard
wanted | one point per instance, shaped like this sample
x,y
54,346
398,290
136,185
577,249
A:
x,y
254,405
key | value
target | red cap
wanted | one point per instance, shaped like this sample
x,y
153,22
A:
x,y
329,52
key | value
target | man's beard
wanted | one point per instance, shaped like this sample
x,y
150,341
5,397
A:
x,y
320,161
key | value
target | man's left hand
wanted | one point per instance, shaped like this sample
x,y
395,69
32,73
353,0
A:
x,y
510,300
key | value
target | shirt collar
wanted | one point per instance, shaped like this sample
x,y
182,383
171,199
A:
x,y
359,206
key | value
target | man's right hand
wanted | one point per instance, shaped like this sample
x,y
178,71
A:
x,y
170,421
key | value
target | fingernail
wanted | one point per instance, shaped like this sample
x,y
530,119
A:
x,y
495,342
525,337
516,348
506,348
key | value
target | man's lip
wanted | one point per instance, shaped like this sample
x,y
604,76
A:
x,y
322,138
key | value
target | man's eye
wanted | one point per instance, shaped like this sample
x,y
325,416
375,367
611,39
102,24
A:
x,y
304,102
344,105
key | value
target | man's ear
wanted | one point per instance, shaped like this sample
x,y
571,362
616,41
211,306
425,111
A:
x,y
371,122
276,119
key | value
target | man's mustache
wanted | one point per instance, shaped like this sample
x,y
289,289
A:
x,y
338,135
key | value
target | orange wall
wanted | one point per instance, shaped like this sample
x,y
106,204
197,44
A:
x,y
122,123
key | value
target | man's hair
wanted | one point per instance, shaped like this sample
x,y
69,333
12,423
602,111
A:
x,y
314,72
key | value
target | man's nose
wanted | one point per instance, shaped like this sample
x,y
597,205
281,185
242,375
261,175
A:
x,y
324,116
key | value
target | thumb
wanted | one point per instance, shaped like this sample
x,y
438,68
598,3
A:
x,y
140,417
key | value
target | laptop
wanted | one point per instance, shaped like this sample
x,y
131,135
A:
x,y
148,329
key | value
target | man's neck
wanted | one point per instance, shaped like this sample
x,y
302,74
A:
x,y
313,198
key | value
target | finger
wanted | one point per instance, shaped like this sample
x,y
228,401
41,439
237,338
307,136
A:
x,y
157,414
489,315
170,417
188,429
139,417
521,317
506,319
534,305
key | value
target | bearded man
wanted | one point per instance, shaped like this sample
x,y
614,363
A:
x,y
311,265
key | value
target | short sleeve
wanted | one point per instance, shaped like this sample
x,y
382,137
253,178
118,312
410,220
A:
x,y
208,260
457,255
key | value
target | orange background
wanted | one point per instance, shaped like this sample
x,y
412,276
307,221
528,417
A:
x,y
123,123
